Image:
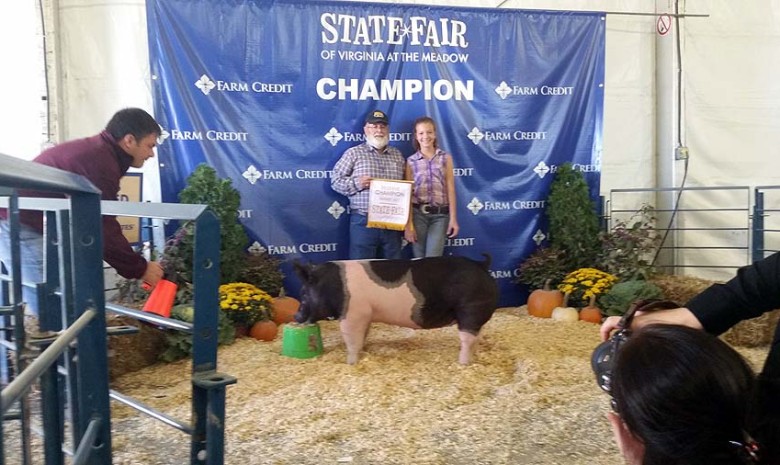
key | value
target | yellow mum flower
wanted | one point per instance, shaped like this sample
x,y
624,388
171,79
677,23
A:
x,y
244,303
584,283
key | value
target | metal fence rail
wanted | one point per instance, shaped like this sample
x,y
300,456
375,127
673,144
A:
x,y
81,316
766,221
713,230
73,285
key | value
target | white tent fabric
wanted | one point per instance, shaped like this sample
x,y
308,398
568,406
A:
x,y
98,63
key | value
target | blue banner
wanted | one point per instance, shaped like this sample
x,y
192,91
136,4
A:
x,y
271,93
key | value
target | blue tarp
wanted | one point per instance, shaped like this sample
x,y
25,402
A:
x,y
271,93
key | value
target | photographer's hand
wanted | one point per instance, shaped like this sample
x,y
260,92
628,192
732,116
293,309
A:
x,y
675,316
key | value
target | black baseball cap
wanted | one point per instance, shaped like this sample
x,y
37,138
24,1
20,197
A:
x,y
376,116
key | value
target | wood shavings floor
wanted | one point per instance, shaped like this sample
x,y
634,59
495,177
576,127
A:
x,y
529,397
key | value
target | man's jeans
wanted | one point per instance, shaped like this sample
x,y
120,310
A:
x,y
431,233
31,246
365,242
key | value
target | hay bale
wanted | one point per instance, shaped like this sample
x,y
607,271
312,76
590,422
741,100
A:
x,y
131,352
756,332
680,288
127,352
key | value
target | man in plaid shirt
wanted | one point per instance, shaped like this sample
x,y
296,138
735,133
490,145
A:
x,y
352,178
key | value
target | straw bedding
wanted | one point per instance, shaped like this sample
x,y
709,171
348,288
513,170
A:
x,y
529,397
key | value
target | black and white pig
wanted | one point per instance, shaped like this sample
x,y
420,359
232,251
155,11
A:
x,y
421,293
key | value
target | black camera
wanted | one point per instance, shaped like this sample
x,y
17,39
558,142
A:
x,y
603,359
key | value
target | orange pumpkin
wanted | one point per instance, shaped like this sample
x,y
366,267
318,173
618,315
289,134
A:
x,y
541,302
284,309
591,313
264,330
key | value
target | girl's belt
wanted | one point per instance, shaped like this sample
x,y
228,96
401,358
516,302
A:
x,y
432,209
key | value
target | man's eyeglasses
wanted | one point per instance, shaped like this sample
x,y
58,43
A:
x,y
376,126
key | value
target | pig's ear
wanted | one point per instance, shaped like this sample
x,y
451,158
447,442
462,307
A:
x,y
303,271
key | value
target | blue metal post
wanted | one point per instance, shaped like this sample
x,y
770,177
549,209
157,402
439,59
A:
x,y
92,366
600,211
758,227
68,316
52,415
49,319
206,275
18,318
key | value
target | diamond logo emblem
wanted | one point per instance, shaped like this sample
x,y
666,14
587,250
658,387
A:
x,y
163,135
476,136
503,90
475,205
205,84
542,169
251,174
257,248
336,210
538,237
333,136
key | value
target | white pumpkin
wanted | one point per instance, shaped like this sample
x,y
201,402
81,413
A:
x,y
565,313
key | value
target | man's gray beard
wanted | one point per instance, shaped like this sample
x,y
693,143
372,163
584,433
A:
x,y
376,142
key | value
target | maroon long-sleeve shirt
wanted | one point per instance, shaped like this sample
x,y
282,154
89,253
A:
x,y
99,159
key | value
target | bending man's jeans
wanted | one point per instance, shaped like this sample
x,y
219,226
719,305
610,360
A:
x,y
31,247
365,242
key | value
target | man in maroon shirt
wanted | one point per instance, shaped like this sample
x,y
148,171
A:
x,y
128,140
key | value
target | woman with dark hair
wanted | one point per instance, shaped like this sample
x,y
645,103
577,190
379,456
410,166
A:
x,y
683,396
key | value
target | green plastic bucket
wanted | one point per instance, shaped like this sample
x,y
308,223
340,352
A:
x,y
301,341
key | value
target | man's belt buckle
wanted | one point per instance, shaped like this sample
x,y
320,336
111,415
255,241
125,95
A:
x,y
425,208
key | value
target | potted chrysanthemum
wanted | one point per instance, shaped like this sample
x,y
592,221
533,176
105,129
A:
x,y
244,304
584,283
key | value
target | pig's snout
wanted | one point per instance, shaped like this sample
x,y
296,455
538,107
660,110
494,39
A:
x,y
302,316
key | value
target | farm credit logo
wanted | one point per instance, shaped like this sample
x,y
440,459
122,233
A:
x,y
207,84
208,134
504,90
476,206
302,248
334,136
477,135
505,274
253,174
